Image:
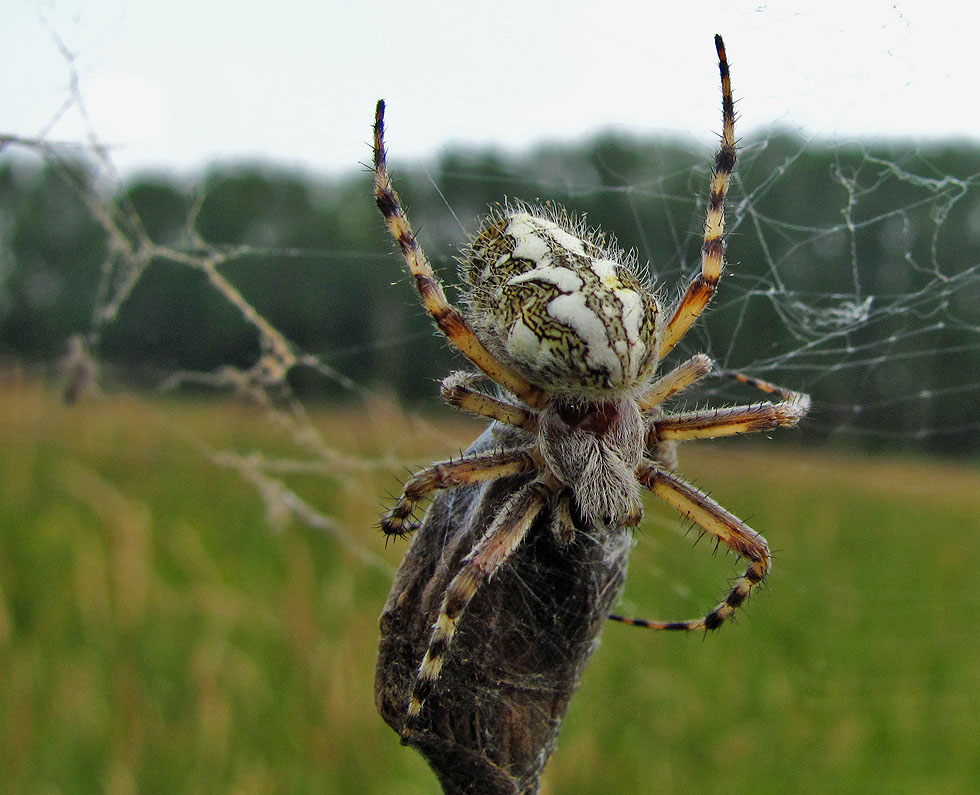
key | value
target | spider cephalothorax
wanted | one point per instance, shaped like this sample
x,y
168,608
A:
x,y
593,449
558,317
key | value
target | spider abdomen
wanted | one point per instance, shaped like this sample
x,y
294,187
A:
x,y
594,449
561,305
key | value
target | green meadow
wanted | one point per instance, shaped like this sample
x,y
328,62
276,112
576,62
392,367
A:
x,y
158,634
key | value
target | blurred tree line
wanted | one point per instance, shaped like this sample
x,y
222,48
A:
x,y
854,270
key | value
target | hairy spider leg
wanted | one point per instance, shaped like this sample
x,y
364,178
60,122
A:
x,y
728,421
703,285
457,392
504,535
723,525
450,474
562,523
686,374
449,320
765,386
732,420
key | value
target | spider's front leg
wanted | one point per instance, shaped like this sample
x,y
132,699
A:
x,y
498,543
450,474
723,525
447,317
702,287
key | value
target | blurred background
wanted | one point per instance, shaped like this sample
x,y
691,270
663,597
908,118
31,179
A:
x,y
213,369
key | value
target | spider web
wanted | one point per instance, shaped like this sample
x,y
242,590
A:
x,y
883,344
858,283
853,274
861,288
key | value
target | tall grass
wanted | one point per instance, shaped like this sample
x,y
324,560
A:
x,y
156,635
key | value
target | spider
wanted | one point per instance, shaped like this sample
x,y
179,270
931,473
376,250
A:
x,y
557,316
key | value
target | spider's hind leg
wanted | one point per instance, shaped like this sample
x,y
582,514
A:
x,y
501,539
723,525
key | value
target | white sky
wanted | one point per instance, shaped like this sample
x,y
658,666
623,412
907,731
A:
x,y
177,84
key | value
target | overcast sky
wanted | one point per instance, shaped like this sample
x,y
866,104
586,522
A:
x,y
177,84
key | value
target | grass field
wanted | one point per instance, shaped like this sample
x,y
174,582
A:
x,y
157,636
